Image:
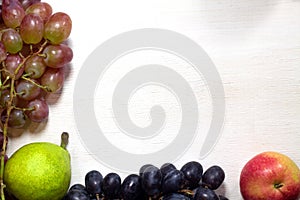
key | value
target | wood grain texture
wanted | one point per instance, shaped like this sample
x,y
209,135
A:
x,y
255,46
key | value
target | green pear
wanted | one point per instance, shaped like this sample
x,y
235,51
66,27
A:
x,y
39,171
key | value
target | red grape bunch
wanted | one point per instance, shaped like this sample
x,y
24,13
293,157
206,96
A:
x,y
33,53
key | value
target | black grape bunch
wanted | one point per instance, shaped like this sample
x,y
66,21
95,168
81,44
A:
x,y
153,183
34,54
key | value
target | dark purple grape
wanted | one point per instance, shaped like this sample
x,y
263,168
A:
x,y
192,174
5,97
131,188
5,159
173,182
205,194
143,168
2,140
78,186
213,177
1,20
17,118
77,195
40,110
166,168
27,90
93,182
151,181
221,197
175,196
111,186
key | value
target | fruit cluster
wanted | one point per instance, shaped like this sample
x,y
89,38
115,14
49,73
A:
x,y
33,54
165,183
33,57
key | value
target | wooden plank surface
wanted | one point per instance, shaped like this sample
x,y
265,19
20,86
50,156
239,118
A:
x,y
255,47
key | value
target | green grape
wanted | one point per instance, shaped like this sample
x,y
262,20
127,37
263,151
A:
x,y
35,67
32,29
57,55
58,28
12,41
43,9
53,79
12,13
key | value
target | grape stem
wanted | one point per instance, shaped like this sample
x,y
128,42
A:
x,y
10,106
23,109
36,84
5,127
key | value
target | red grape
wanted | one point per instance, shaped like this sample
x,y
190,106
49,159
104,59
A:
x,y
12,63
35,67
43,9
27,90
3,54
58,28
12,13
40,110
53,79
32,29
12,41
57,55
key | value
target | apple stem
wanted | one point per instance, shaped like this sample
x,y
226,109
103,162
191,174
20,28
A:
x,y
64,140
278,185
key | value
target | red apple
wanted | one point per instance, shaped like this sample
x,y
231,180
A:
x,y
270,176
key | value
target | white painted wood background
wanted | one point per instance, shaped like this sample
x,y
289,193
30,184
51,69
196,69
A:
x,y
255,46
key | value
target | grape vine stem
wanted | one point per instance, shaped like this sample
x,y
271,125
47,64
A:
x,y
10,106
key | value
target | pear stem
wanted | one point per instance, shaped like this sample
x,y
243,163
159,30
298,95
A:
x,y
64,140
